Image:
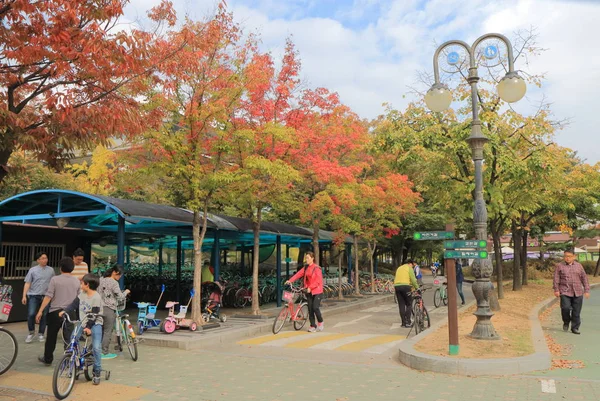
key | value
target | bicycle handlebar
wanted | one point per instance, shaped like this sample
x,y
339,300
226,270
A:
x,y
66,317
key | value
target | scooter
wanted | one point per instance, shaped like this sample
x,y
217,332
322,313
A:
x,y
147,312
179,320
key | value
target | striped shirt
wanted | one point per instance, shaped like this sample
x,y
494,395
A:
x,y
80,270
570,280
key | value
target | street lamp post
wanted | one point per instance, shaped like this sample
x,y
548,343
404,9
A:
x,y
511,89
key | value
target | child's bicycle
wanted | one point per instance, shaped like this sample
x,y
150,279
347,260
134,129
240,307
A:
x,y
9,348
147,312
441,293
75,361
296,312
125,332
177,321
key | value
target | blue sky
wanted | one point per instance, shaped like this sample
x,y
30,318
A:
x,y
371,51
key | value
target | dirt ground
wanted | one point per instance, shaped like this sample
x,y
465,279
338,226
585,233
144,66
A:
x,y
511,324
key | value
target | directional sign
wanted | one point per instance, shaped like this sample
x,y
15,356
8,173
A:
x,y
465,244
288,260
465,254
453,58
433,235
490,52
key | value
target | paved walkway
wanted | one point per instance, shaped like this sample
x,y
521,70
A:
x,y
253,372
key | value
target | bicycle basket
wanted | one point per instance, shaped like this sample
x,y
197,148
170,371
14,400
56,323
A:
x,y
121,305
289,296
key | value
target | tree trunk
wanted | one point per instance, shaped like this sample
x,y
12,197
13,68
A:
x,y
516,232
356,271
5,153
372,249
340,293
496,234
198,236
597,269
315,240
255,260
524,257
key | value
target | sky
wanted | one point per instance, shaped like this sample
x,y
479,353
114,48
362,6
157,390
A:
x,y
372,51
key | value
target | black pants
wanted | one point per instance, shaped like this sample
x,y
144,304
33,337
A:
x,y
54,325
404,303
570,308
314,308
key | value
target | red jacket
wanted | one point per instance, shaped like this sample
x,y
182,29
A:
x,y
313,278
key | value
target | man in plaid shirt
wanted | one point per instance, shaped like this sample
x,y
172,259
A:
x,y
571,284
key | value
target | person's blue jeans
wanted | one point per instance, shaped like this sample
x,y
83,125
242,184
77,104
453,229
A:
x,y
96,346
33,306
460,291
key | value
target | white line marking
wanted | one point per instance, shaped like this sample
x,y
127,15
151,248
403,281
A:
x,y
351,322
395,326
381,308
548,386
381,348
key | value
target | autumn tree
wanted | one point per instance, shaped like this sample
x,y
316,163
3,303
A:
x,y
69,78
197,92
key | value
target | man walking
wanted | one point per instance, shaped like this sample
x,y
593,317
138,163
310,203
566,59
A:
x,y
36,284
404,281
571,284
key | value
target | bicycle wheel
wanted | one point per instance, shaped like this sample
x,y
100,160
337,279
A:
x,y
301,316
418,321
88,368
9,348
445,297
132,347
280,320
140,328
426,322
63,379
437,298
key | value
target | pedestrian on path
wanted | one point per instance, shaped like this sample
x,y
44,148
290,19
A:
x,y
62,291
404,282
111,295
571,284
460,278
36,284
313,282
81,268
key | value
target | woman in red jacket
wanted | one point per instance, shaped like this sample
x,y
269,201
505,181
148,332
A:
x,y
313,282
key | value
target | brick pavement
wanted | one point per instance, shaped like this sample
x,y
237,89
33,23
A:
x,y
225,373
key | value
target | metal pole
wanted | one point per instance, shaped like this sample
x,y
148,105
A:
x,y
287,261
452,306
178,280
349,254
160,260
217,254
278,265
121,247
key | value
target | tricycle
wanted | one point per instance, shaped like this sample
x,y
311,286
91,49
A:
x,y
147,313
179,320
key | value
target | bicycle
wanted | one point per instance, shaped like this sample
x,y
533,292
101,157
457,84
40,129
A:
x,y
420,314
441,294
296,312
76,360
125,332
9,348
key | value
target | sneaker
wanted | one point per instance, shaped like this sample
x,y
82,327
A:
x,y
109,356
565,327
29,339
41,338
312,329
320,327
96,380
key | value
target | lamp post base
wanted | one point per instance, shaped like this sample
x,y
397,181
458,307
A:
x,y
483,329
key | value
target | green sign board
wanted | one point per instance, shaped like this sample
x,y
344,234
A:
x,y
465,244
288,260
433,235
465,254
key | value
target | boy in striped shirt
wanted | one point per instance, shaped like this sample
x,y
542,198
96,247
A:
x,y
81,268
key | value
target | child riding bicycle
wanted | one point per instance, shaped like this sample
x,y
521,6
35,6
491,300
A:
x,y
89,301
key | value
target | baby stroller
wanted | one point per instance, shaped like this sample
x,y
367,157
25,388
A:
x,y
214,303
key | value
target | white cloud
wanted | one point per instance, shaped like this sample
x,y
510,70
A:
x,y
377,61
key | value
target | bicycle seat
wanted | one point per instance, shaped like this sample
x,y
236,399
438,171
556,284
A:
x,y
171,304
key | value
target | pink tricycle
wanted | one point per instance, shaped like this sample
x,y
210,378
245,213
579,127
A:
x,y
178,321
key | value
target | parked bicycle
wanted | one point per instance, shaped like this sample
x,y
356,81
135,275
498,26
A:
x,y
125,332
296,312
9,348
440,296
75,361
421,319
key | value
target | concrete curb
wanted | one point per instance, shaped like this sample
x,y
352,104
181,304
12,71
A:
x,y
209,339
541,359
